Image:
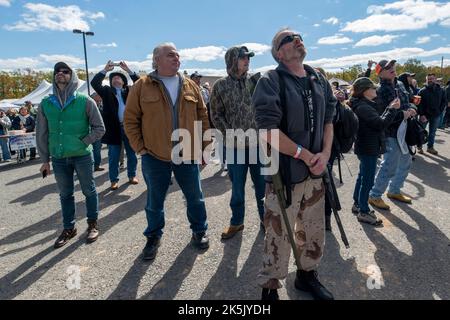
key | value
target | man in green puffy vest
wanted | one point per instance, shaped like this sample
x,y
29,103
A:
x,y
68,122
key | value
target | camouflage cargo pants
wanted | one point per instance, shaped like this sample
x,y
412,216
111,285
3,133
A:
x,y
306,217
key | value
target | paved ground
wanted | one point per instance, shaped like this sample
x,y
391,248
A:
x,y
409,258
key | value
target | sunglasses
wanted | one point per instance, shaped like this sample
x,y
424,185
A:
x,y
289,39
65,71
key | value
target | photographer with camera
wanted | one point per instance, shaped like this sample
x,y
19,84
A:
x,y
114,99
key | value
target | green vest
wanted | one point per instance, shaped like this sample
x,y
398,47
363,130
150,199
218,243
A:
x,y
67,127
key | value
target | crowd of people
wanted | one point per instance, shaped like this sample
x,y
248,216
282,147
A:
x,y
294,103
22,119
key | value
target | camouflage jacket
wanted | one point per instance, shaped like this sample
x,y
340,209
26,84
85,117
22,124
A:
x,y
231,99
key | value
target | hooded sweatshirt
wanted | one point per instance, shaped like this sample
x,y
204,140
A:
x,y
61,99
231,99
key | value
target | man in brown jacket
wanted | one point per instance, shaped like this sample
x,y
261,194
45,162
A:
x,y
161,107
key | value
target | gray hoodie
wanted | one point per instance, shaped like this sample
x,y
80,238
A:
x,y
62,99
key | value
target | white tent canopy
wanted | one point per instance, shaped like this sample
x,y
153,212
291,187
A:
x,y
7,104
43,87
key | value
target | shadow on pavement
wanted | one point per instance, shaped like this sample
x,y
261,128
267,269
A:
x,y
424,273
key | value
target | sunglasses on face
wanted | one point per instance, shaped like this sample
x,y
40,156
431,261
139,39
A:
x,y
64,71
289,39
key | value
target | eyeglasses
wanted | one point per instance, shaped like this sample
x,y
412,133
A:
x,y
289,39
65,71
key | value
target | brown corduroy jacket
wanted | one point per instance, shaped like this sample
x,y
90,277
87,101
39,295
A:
x,y
149,118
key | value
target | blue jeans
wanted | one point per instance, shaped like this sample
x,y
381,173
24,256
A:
x,y
238,178
393,172
365,181
157,176
434,124
64,170
97,152
114,157
6,155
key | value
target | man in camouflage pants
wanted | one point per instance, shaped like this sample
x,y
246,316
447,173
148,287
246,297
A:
x,y
297,104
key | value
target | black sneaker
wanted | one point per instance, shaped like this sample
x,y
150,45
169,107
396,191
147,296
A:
x,y
200,240
269,295
65,236
309,282
151,248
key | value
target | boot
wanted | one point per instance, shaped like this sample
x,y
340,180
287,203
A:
x,y
92,231
308,281
269,295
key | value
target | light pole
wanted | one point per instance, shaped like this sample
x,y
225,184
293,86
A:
x,y
85,54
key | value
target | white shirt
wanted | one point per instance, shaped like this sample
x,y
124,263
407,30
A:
x,y
172,85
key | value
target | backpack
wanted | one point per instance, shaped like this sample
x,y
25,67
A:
x,y
345,128
415,134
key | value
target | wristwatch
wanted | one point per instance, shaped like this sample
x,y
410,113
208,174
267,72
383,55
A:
x,y
299,152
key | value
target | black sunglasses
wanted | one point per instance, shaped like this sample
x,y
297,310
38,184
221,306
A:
x,y
65,71
289,39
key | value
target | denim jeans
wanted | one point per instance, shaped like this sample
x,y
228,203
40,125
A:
x,y
6,155
393,171
114,157
97,152
365,181
434,124
157,176
64,174
238,176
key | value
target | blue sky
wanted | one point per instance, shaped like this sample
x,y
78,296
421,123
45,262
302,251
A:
x,y
337,33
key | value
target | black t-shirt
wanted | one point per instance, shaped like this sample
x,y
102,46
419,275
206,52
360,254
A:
x,y
308,100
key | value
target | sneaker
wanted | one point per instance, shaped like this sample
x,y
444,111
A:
x,y
92,231
379,203
355,208
432,151
308,281
420,150
200,240
231,231
370,218
269,295
65,236
151,248
399,197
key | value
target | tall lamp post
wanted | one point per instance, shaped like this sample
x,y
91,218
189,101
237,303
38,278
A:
x,y
85,54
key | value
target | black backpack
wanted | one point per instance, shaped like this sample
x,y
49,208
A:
x,y
415,134
345,128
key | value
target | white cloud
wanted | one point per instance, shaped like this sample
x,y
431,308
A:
x,y
336,39
402,15
257,48
41,16
41,62
434,63
5,3
399,54
316,25
104,45
202,54
374,41
422,40
332,20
